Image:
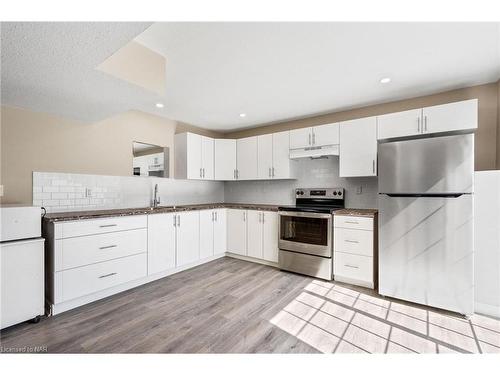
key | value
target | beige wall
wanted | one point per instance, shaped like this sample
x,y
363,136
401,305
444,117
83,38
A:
x,y
498,128
486,135
33,141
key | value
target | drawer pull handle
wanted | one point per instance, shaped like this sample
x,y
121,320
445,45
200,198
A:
x,y
348,265
107,225
351,241
352,222
107,247
108,275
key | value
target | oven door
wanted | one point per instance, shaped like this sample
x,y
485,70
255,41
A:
x,y
306,232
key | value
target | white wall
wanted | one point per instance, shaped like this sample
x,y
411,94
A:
x,y
59,192
487,242
310,174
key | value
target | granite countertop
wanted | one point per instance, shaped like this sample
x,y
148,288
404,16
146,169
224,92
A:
x,y
95,214
371,212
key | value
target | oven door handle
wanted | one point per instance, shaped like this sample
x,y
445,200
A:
x,y
315,215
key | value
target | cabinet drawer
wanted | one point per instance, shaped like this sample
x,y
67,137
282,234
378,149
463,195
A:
x,y
353,222
81,281
81,251
355,267
353,241
97,226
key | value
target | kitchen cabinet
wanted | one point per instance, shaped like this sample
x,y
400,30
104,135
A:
x,y
400,124
358,148
355,251
206,233
458,116
161,242
246,159
237,231
220,231
187,237
255,230
317,136
450,117
194,157
270,224
273,156
225,159
212,232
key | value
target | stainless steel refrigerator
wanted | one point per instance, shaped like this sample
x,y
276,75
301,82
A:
x,y
426,232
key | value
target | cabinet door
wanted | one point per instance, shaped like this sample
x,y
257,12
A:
x,y
207,149
265,156
358,148
237,231
300,138
281,155
220,232
207,219
400,124
246,158
452,116
194,167
225,159
161,242
325,135
188,237
270,236
254,234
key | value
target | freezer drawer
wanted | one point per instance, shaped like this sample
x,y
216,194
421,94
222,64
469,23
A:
x,y
426,250
306,264
430,165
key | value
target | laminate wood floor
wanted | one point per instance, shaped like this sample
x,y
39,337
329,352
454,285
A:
x,y
234,306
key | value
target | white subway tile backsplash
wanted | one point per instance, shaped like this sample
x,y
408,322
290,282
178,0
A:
x,y
50,189
59,195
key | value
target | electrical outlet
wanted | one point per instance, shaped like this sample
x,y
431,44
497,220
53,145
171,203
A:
x,y
88,192
359,189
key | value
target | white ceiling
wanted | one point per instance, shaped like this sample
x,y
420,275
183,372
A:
x,y
270,71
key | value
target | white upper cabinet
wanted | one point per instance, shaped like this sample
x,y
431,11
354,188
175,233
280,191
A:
x,y
400,124
281,167
358,148
317,136
246,159
450,117
325,135
265,156
459,116
225,159
194,157
300,138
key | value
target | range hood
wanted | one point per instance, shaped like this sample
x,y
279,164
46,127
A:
x,y
314,152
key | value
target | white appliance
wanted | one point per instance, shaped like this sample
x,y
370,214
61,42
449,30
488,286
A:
x,y
21,265
426,234
487,242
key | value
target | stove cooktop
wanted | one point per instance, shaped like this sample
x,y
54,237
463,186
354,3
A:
x,y
323,200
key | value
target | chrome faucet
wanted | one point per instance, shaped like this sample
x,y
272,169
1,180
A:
x,y
156,197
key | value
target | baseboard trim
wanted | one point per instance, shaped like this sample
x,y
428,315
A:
x,y
486,309
253,260
348,280
58,308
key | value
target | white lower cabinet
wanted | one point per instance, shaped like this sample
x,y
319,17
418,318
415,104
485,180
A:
x,y
237,231
161,242
354,250
220,231
253,233
212,232
187,237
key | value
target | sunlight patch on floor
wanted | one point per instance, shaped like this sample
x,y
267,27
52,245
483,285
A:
x,y
335,319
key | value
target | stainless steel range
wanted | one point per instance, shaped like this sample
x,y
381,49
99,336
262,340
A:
x,y
306,232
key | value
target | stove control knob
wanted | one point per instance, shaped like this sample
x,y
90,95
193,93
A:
x,y
334,193
340,193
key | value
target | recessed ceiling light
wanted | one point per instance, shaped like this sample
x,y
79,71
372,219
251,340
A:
x,y
385,80
243,115
159,105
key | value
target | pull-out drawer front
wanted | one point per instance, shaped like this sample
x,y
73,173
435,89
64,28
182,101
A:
x,y
82,251
357,267
81,281
98,226
353,222
354,241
